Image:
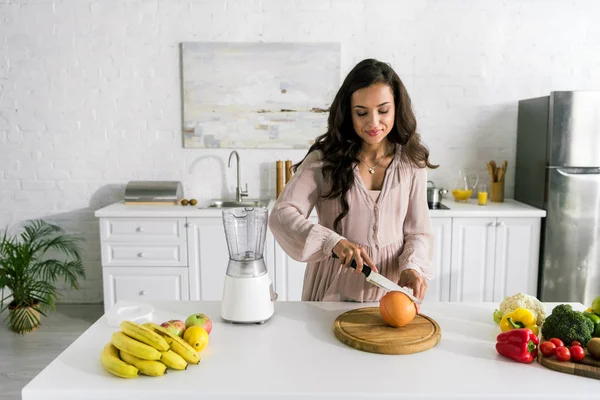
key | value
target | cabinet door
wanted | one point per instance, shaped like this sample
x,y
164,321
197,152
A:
x,y
289,273
138,283
517,254
209,256
472,268
439,287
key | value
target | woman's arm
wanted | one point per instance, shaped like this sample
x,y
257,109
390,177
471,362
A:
x,y
417,253
295,233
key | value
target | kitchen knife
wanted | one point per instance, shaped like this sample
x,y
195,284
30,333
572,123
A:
x,y
381,281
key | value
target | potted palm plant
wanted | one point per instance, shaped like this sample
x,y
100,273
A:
x,y
30,265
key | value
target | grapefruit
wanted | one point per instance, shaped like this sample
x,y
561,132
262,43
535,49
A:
x,y
397,309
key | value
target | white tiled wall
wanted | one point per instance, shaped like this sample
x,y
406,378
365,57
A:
x,y
90,90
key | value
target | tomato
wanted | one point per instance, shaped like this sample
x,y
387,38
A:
x,y
577,353
575,343
548,349
557,342
563,353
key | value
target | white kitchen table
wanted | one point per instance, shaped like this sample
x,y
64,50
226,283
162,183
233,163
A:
x,y
296,356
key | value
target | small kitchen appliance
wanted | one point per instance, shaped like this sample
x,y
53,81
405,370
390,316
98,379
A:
x,y
248,290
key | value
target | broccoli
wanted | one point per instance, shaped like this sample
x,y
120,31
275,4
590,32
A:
x,y
567,325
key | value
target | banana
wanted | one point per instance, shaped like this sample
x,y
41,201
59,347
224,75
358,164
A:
x,y
173,360
113,364
133,347
144,335
150,368
178,345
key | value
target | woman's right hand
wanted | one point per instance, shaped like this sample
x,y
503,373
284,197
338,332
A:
x,y
347,251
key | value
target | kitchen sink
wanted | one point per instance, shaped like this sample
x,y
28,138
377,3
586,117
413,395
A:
x,y
233,203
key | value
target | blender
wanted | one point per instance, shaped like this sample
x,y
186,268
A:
x,y
247,291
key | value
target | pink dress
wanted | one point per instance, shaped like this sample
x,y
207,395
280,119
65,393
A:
x,y
393,226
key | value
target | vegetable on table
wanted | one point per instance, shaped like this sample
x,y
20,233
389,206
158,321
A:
x,y
519,318
548,349
563,353
518,344
568,325
577,353
521,300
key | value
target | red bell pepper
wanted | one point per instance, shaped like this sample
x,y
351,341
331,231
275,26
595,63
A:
x,y
518,344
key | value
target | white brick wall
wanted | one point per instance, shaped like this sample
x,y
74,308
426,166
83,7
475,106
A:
x,y
90,90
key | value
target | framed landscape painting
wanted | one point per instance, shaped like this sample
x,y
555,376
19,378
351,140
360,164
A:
x,y
257,95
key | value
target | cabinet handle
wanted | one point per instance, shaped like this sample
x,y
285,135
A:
x,y
139,229
140,255
492,224
501,223
142,293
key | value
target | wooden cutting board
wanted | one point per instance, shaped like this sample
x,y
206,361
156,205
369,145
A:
x,y
365,330
587,367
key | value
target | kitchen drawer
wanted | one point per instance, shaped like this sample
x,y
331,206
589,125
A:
x,y
141,284
115,254
143,229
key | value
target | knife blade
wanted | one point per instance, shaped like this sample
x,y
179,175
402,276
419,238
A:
x,y
381,281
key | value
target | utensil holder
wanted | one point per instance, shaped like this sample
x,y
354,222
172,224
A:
x,y
279,176
497,192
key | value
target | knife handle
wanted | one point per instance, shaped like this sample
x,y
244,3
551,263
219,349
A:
x,y
366,270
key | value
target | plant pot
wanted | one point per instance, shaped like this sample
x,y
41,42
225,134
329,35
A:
x,y
14,311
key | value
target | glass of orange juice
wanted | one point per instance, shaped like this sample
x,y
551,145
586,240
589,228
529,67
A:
x,y
482,194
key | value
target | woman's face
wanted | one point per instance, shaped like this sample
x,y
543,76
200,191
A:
x,y
373,112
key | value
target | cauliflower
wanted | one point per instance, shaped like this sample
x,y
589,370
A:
x,y
518,300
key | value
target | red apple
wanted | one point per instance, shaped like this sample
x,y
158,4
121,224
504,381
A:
x,y
175,326
199,320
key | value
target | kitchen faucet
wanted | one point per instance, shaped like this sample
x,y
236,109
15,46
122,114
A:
x,y
239,193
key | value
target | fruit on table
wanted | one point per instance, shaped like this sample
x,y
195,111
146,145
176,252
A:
x,y
173,360
557,342
199,319
184,202
563,353
193,202
596,305
109,357
197,337
518,344
177,344
547,348
577,353
146,367
593,347
134,347
175,326
397,309
144,335
519,318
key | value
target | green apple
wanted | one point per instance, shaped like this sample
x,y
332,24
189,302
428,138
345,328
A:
x,y
199,319
596,305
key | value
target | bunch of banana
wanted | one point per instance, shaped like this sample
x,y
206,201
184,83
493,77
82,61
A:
x,y
113,364
177,344
138,349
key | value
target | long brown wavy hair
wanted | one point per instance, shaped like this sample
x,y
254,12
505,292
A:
x,y
341,145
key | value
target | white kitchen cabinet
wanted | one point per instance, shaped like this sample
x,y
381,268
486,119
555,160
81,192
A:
x,y
289,275
439,287
209,256
493,258
516,256
141,284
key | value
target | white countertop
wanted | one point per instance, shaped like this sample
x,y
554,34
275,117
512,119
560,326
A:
x,y
296,355
509,208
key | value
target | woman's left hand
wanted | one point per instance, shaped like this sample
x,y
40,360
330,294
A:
x,y
412,279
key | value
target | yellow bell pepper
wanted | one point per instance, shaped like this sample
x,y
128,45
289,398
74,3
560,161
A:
x,y
519,318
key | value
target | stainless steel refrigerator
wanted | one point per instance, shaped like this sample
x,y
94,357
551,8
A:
x,y
558,169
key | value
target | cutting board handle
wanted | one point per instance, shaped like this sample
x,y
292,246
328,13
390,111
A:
x,y
365,269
